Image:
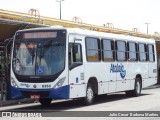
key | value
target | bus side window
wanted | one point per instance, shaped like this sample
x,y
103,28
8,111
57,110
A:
x,y
151,54
132,51
93,49
121,50
108,50
142,52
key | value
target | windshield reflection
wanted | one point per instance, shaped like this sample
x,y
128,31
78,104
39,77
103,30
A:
x,y
43,58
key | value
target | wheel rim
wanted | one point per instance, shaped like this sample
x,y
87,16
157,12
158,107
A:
x,y
89,94
138,87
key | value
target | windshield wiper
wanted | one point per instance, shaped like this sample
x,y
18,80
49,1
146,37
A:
x,y
43,49
33,55
31,51
41,54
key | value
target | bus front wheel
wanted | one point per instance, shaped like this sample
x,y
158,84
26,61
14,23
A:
x,y
90,95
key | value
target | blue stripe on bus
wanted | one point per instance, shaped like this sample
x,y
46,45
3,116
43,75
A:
x,y
15,93
58,93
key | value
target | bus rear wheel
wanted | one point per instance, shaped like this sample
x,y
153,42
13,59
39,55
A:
x,y
90,95
137,89
45,101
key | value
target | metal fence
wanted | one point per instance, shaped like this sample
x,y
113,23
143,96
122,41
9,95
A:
x,y
5,52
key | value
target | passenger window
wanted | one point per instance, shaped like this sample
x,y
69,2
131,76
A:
x,y
142,52
151,54
108,50
121,50
132,51
93,49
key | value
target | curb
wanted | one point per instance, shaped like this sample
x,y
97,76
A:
x,y
14,102
28,100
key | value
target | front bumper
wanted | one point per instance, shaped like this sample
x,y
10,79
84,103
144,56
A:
x,y
59,93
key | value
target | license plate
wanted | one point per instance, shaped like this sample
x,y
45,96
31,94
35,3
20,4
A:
x,y
35,96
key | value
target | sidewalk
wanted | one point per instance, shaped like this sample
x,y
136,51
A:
x,y
16,102
27,100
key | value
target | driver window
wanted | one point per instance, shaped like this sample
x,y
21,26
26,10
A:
x,y
75,53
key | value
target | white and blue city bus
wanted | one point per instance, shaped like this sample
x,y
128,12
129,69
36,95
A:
x,y
69,63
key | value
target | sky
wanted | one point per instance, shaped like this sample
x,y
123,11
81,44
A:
x,y
123,14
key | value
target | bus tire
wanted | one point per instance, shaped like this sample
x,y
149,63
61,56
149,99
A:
x,y
137,89
45,101
90,95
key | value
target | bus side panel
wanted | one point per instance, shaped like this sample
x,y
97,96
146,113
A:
x,y
76,82
137,68
77,91
152,72
123,83
149,82
143,71
102,87
101,72
132,71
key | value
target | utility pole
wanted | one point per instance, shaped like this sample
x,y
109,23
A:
x,y
147,26
59,7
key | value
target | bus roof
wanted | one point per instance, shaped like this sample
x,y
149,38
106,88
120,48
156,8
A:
x,y
90,33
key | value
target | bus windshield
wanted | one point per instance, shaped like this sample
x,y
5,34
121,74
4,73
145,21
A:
x,y
38,58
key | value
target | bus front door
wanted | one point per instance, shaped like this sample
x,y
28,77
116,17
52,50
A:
x,y
76,71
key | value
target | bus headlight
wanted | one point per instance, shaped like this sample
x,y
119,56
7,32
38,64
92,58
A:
x,y
60,82
13,83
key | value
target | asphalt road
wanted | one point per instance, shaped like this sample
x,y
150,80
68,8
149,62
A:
x,y
148,101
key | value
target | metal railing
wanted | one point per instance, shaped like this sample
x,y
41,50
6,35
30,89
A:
x,y
5,52
34,17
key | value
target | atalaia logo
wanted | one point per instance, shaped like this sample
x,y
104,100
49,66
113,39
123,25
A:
x,y
118,68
